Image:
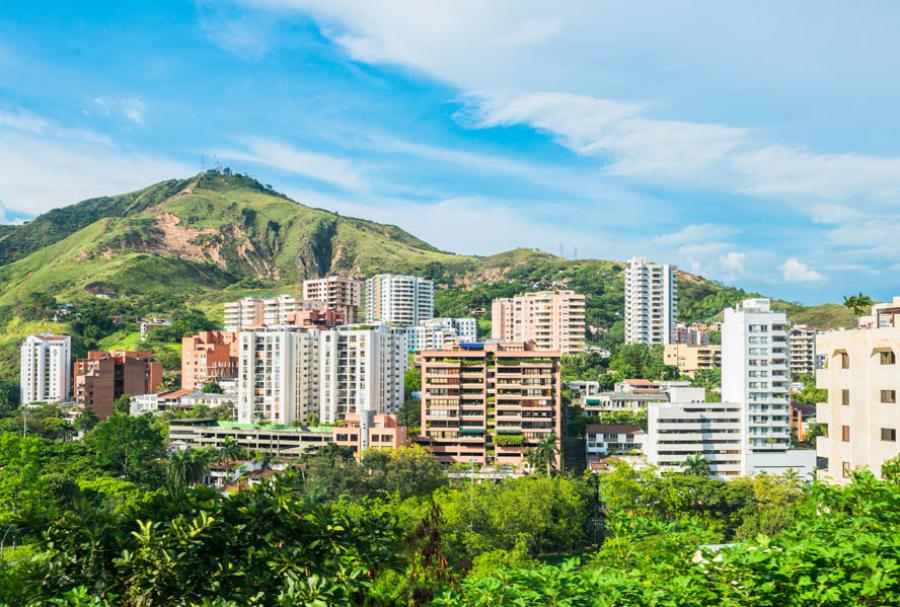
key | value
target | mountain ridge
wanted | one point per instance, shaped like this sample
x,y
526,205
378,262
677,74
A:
x,y
220,231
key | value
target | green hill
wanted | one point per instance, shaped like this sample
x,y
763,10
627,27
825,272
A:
x,y
218,237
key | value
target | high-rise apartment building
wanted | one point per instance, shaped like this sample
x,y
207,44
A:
x,y
862,380
46,367
803,351
551,320
361,369
278,375
254,313
103,377
338,293
398,299
691,359
651,302
208,356
435,333
687,425
756,375
489,403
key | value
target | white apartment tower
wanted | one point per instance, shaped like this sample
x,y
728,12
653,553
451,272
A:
x,y
651,302
361,369
756,375
398,299
436,333
278,375
337,292
46,369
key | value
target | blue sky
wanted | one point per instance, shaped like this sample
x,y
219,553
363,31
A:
x,y
753,143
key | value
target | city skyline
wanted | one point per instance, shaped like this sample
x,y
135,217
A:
x,y
614,130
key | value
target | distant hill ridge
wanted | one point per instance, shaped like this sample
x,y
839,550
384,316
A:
x,y
218,231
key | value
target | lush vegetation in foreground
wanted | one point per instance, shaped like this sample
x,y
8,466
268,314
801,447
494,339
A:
x,y
113,520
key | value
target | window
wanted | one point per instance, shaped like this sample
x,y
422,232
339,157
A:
x,y
845,360
889,396
845,397
845,434
889,434
888,357
845,469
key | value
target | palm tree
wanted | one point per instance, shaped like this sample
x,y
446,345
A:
x,y
188,467
859,303
696,465
230,452
544,454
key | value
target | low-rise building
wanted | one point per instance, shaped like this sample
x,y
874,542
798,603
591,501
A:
x,y
149,325
693,335
603,440
689,426
581,389
179,400
612,402
693,358
368,430
862,380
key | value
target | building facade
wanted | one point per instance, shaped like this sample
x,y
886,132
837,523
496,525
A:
x,y
337,293
368,430
756,375
103,377
603,440
651,302
254,313
690,359
803,351
398,299
688,426
46,369
693,335
208,356
551,320
489,403
278,375
361,369
436,333
862,379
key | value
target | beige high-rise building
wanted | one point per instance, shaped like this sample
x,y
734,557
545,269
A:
x,y
253,313
399,299
489,403
651,302
551,320
690,359
862,380
46,369
338,293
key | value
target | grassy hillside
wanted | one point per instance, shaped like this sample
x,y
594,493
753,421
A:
x,y
203,235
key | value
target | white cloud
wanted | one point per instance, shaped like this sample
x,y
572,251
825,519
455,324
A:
x,y
794,270
834,213
132,109
697,232
28,122
332,170
733,264
41,173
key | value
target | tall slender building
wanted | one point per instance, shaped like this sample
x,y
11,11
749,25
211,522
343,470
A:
x,y
46,369
756,375
651,302
399,299
551,320
361,369
278,375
